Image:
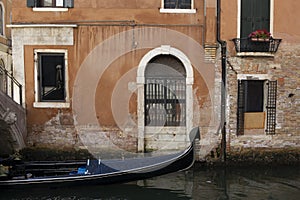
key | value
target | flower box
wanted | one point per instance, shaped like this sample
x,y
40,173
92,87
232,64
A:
x,y
256,45
260,39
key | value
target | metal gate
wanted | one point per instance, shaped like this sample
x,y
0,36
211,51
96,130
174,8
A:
x,y
271,107
241,108
165,101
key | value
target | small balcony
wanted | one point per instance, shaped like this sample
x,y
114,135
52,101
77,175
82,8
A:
x,y
256,45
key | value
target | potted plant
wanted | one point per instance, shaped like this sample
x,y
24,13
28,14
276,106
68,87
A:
x,y
260,35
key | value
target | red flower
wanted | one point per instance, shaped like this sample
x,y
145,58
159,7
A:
x,y
260,34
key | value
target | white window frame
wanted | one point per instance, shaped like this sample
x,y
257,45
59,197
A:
x,y
167,10
59,7
39,104
239,2
256,54
49,9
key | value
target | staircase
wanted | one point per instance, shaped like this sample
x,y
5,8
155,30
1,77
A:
x,y
12,117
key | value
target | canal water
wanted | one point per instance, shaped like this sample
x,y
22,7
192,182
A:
x,y
250,182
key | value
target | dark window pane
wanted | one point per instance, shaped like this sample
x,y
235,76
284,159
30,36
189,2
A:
x,y
177,4
54,3
254,96
52,77
1,20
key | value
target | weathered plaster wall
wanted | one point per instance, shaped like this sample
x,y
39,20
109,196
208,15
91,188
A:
x,y
57,127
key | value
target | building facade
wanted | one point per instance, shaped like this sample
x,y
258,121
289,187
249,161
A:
x,y
133,75
5,44
139,75
263,76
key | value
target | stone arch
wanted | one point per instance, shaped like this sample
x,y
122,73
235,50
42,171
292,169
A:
x,y
163,50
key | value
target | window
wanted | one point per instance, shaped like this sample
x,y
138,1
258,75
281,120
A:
x,y
2,21
255,15
165,92
51,3
177,6
256,105
254,96
51,77
3,84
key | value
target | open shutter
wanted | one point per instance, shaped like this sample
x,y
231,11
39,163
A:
x,y
271,107
31,3
69,3
241,107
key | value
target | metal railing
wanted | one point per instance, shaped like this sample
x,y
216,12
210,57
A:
x,y
256,45
7,88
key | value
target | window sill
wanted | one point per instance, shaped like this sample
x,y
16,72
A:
x,y
255,54
51,105
187,11
50,9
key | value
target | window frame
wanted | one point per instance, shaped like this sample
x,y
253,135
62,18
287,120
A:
x,y
2,13
239,25
240,13
177,10
269,94
65,7
50,104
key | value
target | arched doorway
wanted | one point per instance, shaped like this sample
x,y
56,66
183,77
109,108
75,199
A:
x,y
165,92
165,99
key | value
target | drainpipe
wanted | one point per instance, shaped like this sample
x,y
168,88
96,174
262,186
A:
x,y
223,89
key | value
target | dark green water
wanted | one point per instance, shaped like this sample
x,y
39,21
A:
x,y
198,183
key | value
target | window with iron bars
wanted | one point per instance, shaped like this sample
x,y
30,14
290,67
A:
x,y
257,96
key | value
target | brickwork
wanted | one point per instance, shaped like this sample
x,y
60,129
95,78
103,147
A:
x,y
60,132
283,67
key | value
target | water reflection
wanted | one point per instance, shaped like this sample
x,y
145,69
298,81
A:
x,y
198,183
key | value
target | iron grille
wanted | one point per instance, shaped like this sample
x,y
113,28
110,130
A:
x,y
248,45
241,108
271,108
165,102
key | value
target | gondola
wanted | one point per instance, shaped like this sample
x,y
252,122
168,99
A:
x,y
102,172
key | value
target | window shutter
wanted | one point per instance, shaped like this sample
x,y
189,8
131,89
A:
x,y
241,107
255,14
246,18
261,15
31,3
69,3
271,107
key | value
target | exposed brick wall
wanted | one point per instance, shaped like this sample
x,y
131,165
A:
x,y
283,67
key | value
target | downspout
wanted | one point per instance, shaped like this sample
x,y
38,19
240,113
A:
x,y
223,87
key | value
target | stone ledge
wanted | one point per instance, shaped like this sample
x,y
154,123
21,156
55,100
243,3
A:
x,y
256,156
